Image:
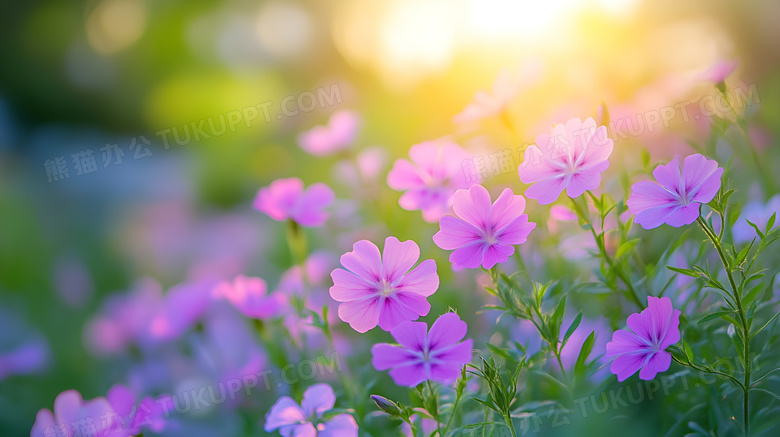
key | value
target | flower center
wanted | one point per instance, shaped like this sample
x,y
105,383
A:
x,y
489,236
386,289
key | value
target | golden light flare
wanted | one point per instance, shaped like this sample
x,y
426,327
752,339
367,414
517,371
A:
x,y
115,25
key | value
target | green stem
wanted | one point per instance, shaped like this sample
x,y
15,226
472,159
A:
x,y
433,395
452,414
560,363
511,426
695,366
633,296
296,240
742,320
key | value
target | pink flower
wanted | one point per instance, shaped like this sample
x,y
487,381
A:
x,y
251,297
124,319
134,418
654,329
486,105
305,420
438,355
570,158
431,179
286,199
381,290
676,197
483,233
70,412
505,88
719,71
182,307
336,135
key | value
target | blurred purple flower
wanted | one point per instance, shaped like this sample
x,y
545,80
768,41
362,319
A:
x,y
758,213
719,70
286,199
438,355
483,233
29,357
430,179
135,417
72,281
227,349
305,420
362,174
73,417
675,198
182,307
428,426
571,157
336,135
23,350
654,329
571,351
250,296
562,213
124,319
381,290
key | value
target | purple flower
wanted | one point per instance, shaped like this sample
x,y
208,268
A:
x,y
654,329
251,297
719,71
676,197
438,355
182,307
381,290
336,135
71,413
305,420
134,418
758,213
23,350
431,179
570,158
286,199
483,233
30,357
124,319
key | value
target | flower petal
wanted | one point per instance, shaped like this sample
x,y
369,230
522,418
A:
x,y
283,413
659,362
361,315
455,232
447,330
318,399
473,205
364,261
398,257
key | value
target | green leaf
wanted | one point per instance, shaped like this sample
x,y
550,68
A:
x,y
687,272
572,328
713,316
645,158
587,346
758,231
765,324
771,223
481,424
688,351
556,320
500,352
625,248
